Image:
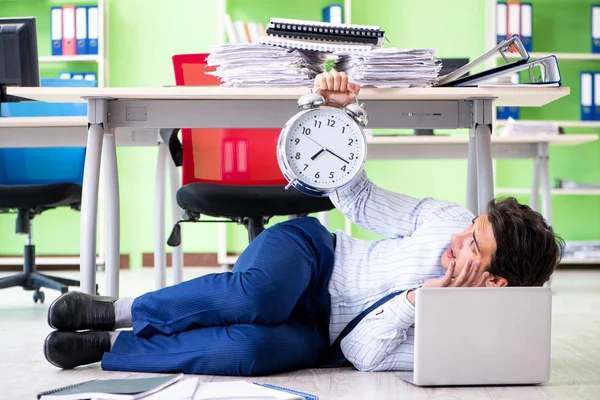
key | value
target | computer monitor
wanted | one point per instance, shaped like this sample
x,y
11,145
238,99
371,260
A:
x,y
18,54
451,64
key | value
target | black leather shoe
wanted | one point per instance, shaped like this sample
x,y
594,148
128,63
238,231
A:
x,y
70,349
76,311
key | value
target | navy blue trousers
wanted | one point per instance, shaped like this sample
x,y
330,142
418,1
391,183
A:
x,y
270,314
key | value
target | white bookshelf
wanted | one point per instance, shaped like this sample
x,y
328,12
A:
x,y
59,59
565,124
573,260
556,191
101,58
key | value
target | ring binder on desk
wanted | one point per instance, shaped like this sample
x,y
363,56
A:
x,y
510,45
544,71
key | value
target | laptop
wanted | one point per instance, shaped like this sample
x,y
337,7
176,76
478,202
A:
x,y
481,336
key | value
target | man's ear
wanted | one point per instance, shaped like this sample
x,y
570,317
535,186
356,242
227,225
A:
x,y
496,281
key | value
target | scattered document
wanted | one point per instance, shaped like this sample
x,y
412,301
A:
x,y
240,390
515,127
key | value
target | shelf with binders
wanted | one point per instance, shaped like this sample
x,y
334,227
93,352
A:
x,y
554,191
51,66
561,28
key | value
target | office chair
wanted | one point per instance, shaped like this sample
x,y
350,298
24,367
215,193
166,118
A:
x,y
231,173
31,182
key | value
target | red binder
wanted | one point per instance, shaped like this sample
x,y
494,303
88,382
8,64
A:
x,y
69,45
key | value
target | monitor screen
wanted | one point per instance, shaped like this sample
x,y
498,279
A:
x,y
18,52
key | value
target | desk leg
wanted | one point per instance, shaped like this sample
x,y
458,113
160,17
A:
x,y
89,206
111,181
175,216
472,174
544,157
482,130
160,257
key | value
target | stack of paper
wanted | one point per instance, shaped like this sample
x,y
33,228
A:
x,y
259,65
515,127
391,67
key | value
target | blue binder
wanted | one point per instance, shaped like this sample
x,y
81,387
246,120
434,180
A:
x,y
595,15
81,30
56,30
333,13
527,26
93,29
502,112
587,96
596,99
501,22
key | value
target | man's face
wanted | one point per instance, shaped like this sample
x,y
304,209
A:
x,y
475,243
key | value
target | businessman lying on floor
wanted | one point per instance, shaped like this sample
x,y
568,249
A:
x,y
297,286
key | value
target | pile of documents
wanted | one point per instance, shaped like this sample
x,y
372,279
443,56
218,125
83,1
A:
x,y
582,250
515,127
244,65
391,67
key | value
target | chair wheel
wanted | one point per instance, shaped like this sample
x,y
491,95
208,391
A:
x,y
39,295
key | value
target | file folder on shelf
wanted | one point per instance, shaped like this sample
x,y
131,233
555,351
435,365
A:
x,y
93,30
596,28
68,22
501,22
596,110
587,96
324,31
81,30
514,18
510,45
333,14
527,25
56,30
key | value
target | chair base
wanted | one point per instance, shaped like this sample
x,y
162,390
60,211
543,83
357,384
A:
x,y
35,281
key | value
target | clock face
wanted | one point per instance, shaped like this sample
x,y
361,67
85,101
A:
x,y
325,148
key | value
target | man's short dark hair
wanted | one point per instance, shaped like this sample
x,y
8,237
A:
x,y
527,249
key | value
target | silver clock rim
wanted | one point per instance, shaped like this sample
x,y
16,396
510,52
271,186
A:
x,y
286,168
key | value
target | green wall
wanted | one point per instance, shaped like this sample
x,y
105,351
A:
x,y
144,34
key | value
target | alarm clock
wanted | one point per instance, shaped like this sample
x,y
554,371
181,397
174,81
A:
x,y
322,149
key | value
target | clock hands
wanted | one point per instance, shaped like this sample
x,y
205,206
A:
x,y
317,154
337,156
323,148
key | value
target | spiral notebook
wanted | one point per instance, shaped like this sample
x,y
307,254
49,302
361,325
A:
x,y
111,389
294,28
314,45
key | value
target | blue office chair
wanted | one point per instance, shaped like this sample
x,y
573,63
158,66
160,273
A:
x,y
31,182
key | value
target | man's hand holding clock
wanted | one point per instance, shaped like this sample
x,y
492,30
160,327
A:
x,y
323,147
336,89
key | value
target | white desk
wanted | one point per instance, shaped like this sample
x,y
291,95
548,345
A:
x,y
219,107
502,147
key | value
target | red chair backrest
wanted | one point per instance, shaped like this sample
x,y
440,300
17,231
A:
x,y
226,156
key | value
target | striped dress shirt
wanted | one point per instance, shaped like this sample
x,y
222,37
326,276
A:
x,y
417,233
